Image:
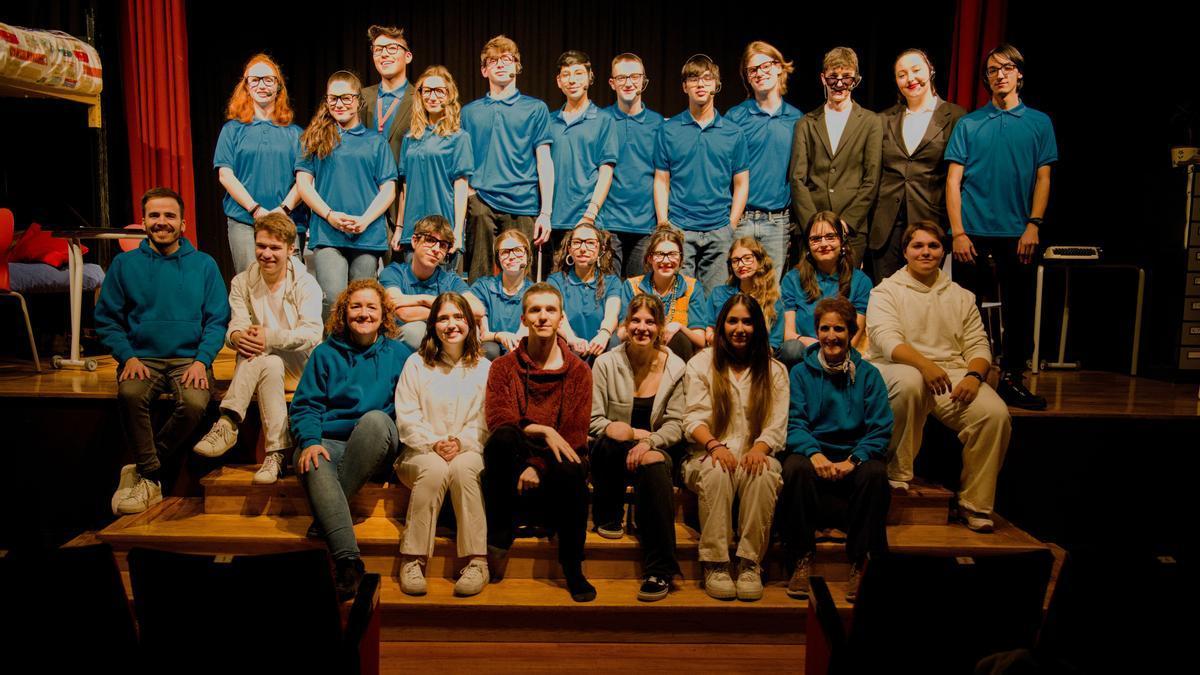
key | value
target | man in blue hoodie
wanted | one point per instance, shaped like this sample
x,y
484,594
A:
x,y
162,312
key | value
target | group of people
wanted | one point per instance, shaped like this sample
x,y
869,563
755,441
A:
x,y
653,354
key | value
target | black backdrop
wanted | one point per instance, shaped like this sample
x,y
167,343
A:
x,y
1121,87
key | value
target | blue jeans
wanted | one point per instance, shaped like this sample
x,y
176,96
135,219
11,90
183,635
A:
x,y
630,253
412,332
704,255
241,244
335,268
370,450
771,230
790,352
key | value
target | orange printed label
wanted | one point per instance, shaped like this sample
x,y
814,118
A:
x,y
26,55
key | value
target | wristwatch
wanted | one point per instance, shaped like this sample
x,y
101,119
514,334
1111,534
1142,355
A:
x,y
1034,221
971,373
855,460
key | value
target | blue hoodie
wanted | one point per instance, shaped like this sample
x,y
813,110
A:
x,y
831,416
163,306
341,383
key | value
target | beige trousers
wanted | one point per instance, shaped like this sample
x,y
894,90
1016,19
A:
x,y
716,490
268,376
430,477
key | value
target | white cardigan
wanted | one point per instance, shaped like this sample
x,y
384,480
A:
x,y
737,437
436,402
248,306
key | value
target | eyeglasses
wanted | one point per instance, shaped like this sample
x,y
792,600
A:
x,y
635,79
585,244
432,242
744,261
847,81
269,80
435,92
816,239
707,78
669,256
514,252
503,59
391,49
1007,68
764,68
346,100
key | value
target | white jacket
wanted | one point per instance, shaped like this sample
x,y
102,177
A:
x,y
698,380
940,321
248,306
436,402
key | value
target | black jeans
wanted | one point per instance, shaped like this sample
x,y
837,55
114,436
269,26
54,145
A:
x,y
482,227
859,501
655,502
1016,281
136,397
562,496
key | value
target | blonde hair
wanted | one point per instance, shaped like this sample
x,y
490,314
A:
x,y
278,226
766,49
451,112
763,286
840,57
501,44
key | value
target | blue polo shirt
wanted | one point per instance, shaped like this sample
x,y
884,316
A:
x,y
503,310
721,294
262,155
384,101
796,300
630,203
580,148
430,165
1000,151
505,135
769,144
580,305
400,275
348,180
702,163
686,303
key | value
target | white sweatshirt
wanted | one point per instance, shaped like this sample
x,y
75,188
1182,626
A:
x,y
940,321
435,403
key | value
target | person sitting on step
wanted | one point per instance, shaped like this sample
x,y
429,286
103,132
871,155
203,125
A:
x,y
683,298
839,426
637,425
343,418
275,325
591,291
500,329
439,412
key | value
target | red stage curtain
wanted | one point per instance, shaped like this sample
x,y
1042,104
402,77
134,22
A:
x,y
154,71
978,28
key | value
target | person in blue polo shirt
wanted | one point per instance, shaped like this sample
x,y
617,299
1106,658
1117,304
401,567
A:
x,y
347,176
501,329
629,211
583,273
256,157
768,122
584,149
436,163
413,286
513,184
751,271
697,156
997,190
684,302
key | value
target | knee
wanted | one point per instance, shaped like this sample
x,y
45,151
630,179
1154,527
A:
x,y
798,468
905,384
273,366
465,468
491,350
377,422
433,473
650,458
715,482
131,392
503,439
872,472
193,402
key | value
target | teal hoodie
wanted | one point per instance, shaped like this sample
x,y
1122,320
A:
x,y
835,417
163,306
341,383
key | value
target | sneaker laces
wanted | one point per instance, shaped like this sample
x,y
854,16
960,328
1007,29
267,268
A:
x,y
474,567
140,490
412,571
274,461
748,571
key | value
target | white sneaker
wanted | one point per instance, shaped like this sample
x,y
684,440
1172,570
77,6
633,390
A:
x,y
144,494
717,582
412,576
271,469
749,581
219,439
129,476
473,578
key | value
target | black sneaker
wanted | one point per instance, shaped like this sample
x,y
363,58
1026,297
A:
x,y
347,574
653,588
578,586
1014,393
612,530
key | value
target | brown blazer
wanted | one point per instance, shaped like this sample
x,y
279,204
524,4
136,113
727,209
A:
x,y
844,183
366,115
918,180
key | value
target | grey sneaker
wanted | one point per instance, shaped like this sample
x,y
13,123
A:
x,y
976,521
717,582
412,576
144,494
271,469
798,585
749,581
129,476
473,578
219,439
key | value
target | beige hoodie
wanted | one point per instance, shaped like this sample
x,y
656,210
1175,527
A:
x,y
940,321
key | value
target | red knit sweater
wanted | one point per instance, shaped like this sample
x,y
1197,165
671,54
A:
x,y
520,393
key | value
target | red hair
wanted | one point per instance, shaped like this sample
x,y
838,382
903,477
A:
x,y
241,106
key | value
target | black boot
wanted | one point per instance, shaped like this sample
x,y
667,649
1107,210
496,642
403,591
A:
x,y
1014,393
347,574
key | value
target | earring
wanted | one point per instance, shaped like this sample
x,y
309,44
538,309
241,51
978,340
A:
x,y
569,260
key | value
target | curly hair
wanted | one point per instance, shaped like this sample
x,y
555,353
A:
x,y
763,286
604,255
431,345
335,325
241,105
321,136
451,110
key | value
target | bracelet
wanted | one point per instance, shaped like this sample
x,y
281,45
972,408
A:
x,y
605,330
710,443
254,208
1036,222
327,214
971,373
286,211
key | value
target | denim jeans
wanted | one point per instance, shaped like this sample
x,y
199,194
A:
x,y
136,397
704,255
630,251
369,451
241,244
770,228
412,332
335,268
790,352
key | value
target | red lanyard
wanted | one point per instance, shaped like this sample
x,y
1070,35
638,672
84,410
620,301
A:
x,y
384,117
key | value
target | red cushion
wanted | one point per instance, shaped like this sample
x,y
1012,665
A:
x,y
37,245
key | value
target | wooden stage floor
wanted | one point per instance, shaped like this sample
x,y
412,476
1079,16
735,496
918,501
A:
x,y
1078,394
